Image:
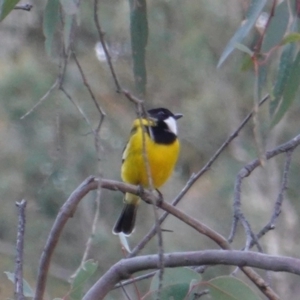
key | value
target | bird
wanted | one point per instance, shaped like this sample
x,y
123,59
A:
x,y
154,152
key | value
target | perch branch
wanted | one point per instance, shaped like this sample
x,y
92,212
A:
x,y
92,183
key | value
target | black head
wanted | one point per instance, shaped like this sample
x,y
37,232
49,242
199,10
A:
x,y
162,114
164,129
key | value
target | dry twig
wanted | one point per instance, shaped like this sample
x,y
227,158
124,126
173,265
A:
x,y
20,250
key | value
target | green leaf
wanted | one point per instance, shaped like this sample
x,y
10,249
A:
x,y
80,279
254,11
284,70
247,63
291,38
290,90
176,283
277,27
70,7
6,6
51,18
139,38
230,288
243,48
27,290
69,21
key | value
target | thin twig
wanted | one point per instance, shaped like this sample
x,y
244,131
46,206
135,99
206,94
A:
x,y
26,7
55,84
142,113
258,46
20,250
101,34
98,151
66,212
78,107
85,82
135,279
245,172
125,293
103,43
277,206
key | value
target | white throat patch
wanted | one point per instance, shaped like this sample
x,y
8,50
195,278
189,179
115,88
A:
x,y
171,123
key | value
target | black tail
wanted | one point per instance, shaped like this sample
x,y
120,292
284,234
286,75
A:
x,y
126,220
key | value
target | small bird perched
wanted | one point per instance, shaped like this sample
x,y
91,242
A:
x,y
161,146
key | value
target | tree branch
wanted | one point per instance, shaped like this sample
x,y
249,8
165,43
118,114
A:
x,y
26,7
91,183
126,267
245,172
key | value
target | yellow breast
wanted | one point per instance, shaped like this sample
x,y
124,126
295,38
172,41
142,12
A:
x,y
161,158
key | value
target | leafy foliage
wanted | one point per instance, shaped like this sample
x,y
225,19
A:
x,y
253,13
230,288
177,284
27,290
139,38
82,275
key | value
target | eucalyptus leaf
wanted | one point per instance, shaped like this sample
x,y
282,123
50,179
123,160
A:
x,y
290,90
27,290
230,288
253,13
85,272
6,6
177,283
139,38
283,74
51,18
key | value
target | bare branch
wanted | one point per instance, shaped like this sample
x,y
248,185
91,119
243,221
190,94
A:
x,y
55,84
103,43
135,279
85,82
277,206
20,250
91,183
80,110
245,172
65,212
126,267
26,7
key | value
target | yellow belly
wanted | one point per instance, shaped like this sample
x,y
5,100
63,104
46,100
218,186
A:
x,y
161,158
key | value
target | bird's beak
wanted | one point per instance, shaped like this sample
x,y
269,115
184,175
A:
x,y
178,116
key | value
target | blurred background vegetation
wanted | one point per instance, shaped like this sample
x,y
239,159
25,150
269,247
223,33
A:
x,y
47,154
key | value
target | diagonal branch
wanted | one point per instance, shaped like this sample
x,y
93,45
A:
x,y
92,183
